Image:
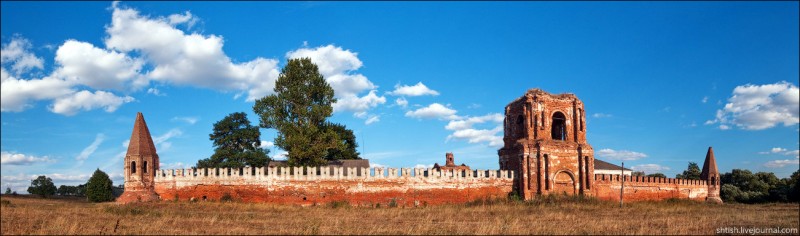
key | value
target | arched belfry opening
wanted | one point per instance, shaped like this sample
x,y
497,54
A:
x,y
559,126
133,167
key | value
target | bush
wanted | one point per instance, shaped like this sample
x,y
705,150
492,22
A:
x,y
226,197
98,189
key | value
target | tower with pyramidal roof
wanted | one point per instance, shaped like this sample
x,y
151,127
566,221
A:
x,y
141,164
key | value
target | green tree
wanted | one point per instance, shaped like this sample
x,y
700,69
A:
x,y
298,111
659,175
8,190
42,186
98,188
637,173
348,142
691,172
237,144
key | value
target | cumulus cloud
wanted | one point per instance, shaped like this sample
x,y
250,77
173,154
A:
x,y
155,91
17,94
781,163
434,110
163,140
650,168
418,89
463,129
85,64
187,59
16,53
402,102
423,166
85,100
13,158
89,150
623,155
758,107
338,66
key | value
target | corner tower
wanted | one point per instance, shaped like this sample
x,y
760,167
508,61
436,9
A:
x,y
141,164
711,175
545,144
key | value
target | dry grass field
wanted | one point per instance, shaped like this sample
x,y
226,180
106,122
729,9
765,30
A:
x,y
27,215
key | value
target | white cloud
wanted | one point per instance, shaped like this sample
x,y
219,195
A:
x,y
173,165
266,144
650,168
704,100
402,102
424,166
624,155
162,140
758,107
435,110
357,104
85,64
85,100
13,158
89,150
187,59
17,55
187,18
463,129
16,94
189,120
376,165
337,65
781,163
601,115
782,151
413,90
372,119
156,92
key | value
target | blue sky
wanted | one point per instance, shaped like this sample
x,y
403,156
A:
x,y
662,81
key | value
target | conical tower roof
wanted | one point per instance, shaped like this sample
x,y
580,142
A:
x,y
141,142
709,166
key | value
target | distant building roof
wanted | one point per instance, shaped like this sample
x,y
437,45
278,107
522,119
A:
x,y
602,165
362,163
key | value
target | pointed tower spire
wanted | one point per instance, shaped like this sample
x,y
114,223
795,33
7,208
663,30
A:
x,y
141,142
711,175
709,166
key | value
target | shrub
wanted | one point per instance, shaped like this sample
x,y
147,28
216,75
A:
x,y
99,187
226,197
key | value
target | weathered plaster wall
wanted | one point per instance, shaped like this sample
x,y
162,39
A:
x,y
295,185
638,188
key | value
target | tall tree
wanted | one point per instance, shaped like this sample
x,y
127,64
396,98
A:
x,y
691,172
98,188
42,186
659,175
348,150
237,144
298,111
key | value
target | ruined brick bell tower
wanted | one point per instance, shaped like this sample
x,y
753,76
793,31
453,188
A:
x,y
141,164
545,144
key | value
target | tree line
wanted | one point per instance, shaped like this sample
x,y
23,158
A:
x,y
744,186
99,188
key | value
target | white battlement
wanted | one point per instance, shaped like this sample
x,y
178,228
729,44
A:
x,y
323,173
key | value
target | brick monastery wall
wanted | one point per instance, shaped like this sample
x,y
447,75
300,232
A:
x,y
357,186
638,188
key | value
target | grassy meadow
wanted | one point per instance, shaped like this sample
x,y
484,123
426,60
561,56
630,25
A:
x,y
31,215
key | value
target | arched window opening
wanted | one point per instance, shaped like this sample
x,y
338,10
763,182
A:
x,y
713,181
580,118
559,126
133,167
144,167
